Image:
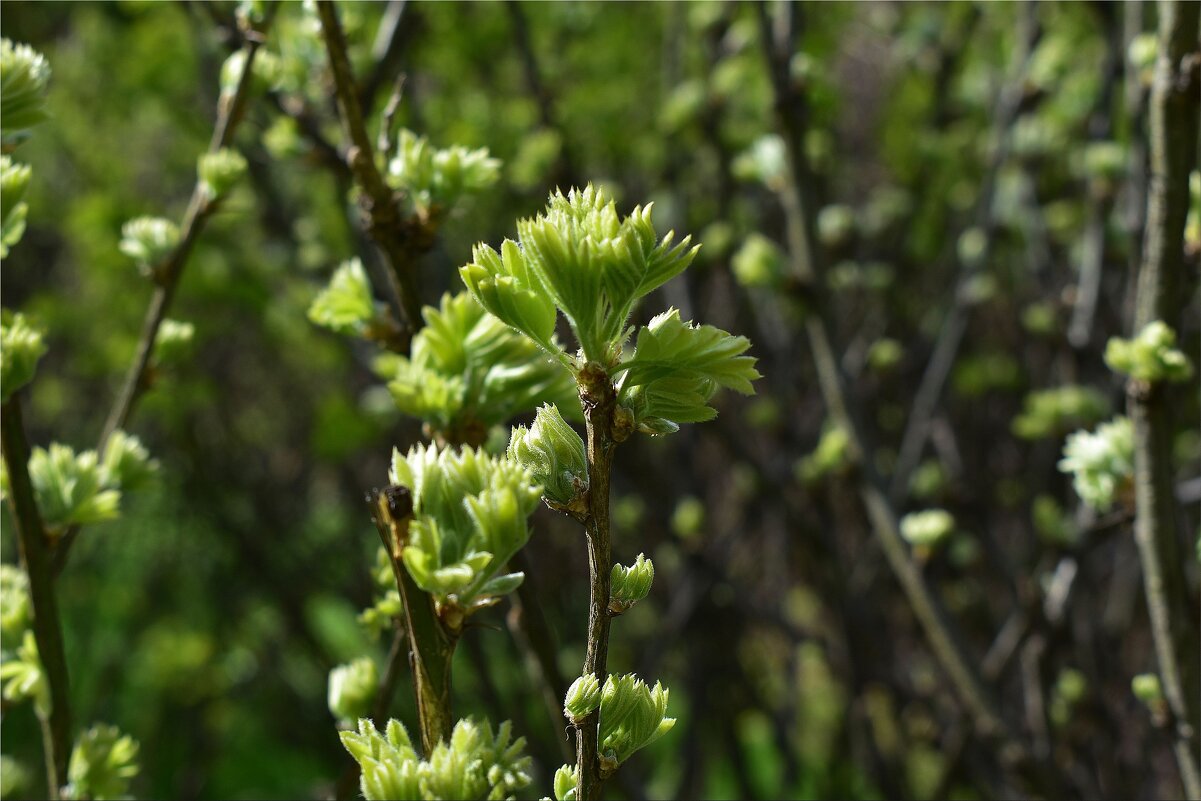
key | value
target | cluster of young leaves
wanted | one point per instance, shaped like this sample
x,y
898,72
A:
x,y
553,453
632,716
581,259
1150,356
1053,412
352,688
1100,462
927,529
434,179
475,762
103,763
470,515
75,489
20,667
467,371
21,346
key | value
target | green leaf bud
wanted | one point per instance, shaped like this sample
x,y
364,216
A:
x,y
565,783
1146,688
474,763
127,464
219,171
173,341
352,688
583,698
1151,356
21,346
1101,462
629,585
22,676
345,306
688,519
1071,686
835,225
14,181
435,179
764,162
554,454
927,529
24,75
149,241
758,263
16,613
70,489
1054,412
884,354
102,764
632,717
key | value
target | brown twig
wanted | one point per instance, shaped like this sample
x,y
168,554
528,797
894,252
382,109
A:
x,y
394,233
600,403
1173,146
200,207
47,628
431,643
778,38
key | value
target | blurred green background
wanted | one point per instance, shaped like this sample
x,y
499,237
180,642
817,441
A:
x,y
204,622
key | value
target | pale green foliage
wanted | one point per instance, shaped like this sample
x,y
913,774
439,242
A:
x,y
835,225
629,585
352,688
1150,356
75,489
582,699
21,346
173,340
102,764
386,608
475,763
1053,412
565,783
884,354
764,162
15,610
24,75
830,456
14,181
1100,462
1146,688
127,464
435,178
466,369
1053,525
582,258
14,777
632,716
758,263
676,369
470,513
553,453
345,305
688,518
22,676
149,241
219,171
927,529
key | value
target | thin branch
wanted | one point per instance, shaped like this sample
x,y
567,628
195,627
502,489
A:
x,y
778,38
950,337
200,207
1173,144
400,238
599,402
47,628
431,644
